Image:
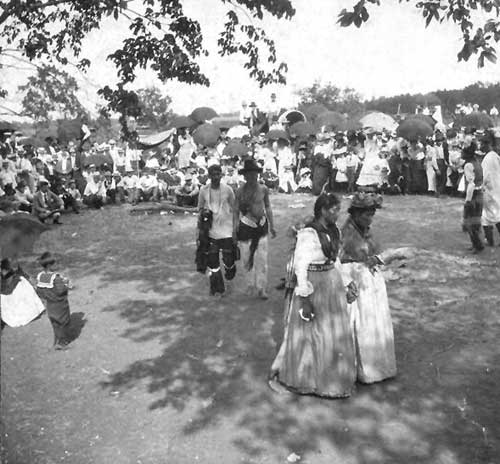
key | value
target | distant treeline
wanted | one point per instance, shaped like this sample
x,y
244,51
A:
x,y
485,95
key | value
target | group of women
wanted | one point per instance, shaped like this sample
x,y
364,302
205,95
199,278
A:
x,y
338,327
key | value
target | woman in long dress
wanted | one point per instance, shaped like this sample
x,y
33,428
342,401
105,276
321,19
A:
x,y
19,303
371,317
491,191
317,353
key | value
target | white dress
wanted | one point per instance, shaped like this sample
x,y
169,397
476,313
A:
x,y
491,189
21,306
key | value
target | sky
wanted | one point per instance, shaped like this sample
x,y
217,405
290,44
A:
x,y
391,54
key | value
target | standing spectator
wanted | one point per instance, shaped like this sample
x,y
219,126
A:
x,y
494,113
272,110
47,204
286,164
245,114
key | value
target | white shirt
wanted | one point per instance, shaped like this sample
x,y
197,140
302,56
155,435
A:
x,y
148,181
221,202
129,182
95,188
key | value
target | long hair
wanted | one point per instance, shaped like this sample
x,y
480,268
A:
x,y
325,200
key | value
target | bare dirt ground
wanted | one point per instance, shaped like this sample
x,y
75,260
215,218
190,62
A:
x,y
162,373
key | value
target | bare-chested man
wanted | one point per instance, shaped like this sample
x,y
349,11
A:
x,y
253,219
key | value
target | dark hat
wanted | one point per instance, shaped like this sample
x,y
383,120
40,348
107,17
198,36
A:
x,y
361,200
46,259
253,104
249,166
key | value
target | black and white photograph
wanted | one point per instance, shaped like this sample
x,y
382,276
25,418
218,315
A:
x,y
249,232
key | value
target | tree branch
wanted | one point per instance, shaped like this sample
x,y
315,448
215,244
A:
x,y
40,5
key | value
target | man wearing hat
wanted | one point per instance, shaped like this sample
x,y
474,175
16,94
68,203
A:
x,y
127,187
47,204
147,187
218,199
187,194
253,218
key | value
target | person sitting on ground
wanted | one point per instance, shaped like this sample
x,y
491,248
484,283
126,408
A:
x,y
46,204
94,194
72,197
110,186
148,186
305,181
187,194
23,196
127,187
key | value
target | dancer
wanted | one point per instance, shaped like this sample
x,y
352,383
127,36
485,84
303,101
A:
x,y
218,199
370,313
317,355
491,189
473,206
253,218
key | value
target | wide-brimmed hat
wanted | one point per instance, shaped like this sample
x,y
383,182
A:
x,y
361,200
46,259
249,166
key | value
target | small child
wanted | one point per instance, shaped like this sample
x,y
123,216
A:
x,y
53,288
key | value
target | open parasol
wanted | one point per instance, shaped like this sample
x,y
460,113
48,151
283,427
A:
x,y
202,114
277,134
302,129
379,121
6,127
291,117
181,122
332,120
313,111
207,135
225,122
238,132
476,120
18,233
423,117
235,148
412,129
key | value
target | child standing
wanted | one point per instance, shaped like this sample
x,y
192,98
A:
x,y
53,288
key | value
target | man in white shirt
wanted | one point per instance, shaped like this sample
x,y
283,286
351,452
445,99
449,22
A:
x,y
94,194
148,186
7,175
272,110
286,163
127,187
245,114
216,200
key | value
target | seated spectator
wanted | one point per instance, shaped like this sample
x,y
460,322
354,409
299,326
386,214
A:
x,y
151,161
7,174
94,194
24,197
202,176
127,187
305,181
187,194
72,198
148,186
163,180
270,178
46,204
232,178
110,186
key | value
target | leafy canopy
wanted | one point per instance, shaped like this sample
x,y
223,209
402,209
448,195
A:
x,y
477,40
161,37
51,91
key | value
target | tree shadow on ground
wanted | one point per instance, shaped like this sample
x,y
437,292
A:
x,y
215,354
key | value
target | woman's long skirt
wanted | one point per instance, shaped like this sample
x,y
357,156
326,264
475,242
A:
x,y
371,324
318,357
